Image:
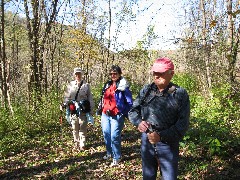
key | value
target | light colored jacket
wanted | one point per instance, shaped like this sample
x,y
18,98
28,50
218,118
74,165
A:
x,y
84,93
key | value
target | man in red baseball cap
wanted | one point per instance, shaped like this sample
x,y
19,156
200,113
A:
x,y
161,113
163,70
162,65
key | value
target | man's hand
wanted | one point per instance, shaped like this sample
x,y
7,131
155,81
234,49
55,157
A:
x,y
153,137
143,126
62,106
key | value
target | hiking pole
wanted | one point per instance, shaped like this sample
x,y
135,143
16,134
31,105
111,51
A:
x,y
61,129
151,129
61,121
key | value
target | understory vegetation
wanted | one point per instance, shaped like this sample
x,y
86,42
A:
x,y
35,144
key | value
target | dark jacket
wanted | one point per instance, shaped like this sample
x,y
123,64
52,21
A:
x,y
168,112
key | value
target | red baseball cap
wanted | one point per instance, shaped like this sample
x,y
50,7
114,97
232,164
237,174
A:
x,y
162,65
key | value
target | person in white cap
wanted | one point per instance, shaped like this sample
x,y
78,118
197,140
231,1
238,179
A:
x,y
78,91
161,113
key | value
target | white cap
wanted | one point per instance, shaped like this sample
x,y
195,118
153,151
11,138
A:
x,y
77,70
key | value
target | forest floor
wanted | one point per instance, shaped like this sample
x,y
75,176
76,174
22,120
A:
x,y
53,157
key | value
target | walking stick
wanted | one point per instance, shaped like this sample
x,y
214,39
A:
x,y
61,129
151,129
61,122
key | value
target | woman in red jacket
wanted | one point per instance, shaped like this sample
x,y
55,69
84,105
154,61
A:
x,y
115,103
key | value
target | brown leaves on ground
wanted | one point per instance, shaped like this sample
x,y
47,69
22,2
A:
x,y
57,158
53,157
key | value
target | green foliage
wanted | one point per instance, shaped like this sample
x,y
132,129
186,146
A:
x,y
187,81
135,88
214,146
215,121
4,121
211,141
97,92
190,83
28,124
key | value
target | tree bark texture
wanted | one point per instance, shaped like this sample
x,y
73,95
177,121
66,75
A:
x,y
4,86
37,39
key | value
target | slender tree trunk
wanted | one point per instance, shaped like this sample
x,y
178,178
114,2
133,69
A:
x,y
37,42
109,39
60,56
231,55
206,55
33,27
3,58
49,23
84,21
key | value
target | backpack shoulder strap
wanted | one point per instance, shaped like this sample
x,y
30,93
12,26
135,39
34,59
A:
x,y
78,90
106,85
172,92
148,89
172,89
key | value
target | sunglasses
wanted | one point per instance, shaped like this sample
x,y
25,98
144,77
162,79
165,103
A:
x,y
159,74
113,74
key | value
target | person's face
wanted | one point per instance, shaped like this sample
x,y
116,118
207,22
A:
x,y
78,76
162,79
114,75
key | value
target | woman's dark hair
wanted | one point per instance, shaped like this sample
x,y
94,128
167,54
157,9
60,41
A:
x,y
116,68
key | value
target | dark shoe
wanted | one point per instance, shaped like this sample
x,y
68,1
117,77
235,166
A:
x,y
107,156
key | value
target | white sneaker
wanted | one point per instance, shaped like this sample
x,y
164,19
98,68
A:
x,y
107,156
115,162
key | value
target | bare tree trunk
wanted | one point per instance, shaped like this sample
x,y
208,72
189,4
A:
x,y
33,38
84,22
60,56
49,21
3,58
109,39
37,42
232,46
235,51
206,55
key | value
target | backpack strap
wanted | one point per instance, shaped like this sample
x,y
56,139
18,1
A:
x,y
172,89
106,85
172,92
78,90
149,87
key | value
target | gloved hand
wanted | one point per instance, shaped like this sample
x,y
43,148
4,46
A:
x,y
62,106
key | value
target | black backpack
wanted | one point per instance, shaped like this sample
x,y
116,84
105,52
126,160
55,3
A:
x,y
84,106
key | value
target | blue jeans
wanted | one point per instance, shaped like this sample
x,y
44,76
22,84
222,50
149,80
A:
x,y
167,155
112,127
68,115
